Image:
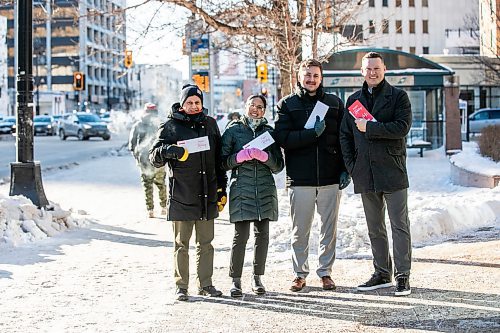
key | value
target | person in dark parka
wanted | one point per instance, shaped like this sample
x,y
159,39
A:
x,y
315,170
197,186
252,195
375,156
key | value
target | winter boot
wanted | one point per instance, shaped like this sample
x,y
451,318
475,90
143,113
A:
x,y
257,286
236,288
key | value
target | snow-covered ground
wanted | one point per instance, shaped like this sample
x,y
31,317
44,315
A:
x,y
112,270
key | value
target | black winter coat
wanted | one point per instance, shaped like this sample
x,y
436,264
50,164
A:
x,y
252,195
310,160
193,183
376,159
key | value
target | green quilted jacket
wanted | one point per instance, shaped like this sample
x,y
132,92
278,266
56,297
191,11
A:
x,y
252,192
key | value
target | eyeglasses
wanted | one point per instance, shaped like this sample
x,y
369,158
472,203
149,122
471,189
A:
x,y
258,107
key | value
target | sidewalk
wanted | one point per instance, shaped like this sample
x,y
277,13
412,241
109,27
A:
x,y
454,289
116,275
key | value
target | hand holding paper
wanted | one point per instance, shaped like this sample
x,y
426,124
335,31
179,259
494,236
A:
x,y
261,142
357,110
320,109
195,145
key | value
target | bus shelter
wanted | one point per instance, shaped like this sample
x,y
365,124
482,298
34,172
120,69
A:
x,y
422,79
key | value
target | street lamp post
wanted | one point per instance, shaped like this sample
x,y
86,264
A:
x,y
26,178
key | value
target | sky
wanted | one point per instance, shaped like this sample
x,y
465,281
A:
x,y
96,263
154,34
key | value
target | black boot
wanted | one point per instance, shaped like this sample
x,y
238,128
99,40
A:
x,y
257,286
236,288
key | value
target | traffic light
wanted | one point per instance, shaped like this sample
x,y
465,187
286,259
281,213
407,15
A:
x,y
202,80
78,81
128,59
262,72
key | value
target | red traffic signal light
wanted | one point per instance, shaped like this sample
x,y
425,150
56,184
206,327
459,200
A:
x,y
78,81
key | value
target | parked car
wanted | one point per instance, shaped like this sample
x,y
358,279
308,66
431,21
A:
x,y
43,125
482,118
83,125
8,125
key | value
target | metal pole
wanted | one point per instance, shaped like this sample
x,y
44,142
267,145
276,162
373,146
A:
x,y
26,176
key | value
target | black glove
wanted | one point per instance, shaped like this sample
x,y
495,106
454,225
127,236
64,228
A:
x,y
221,199
174,151
319,126
345,180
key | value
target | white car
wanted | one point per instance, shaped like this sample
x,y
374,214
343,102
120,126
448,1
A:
x,y
482,118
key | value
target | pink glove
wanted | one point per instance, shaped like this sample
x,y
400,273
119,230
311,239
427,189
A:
x,y
243,156
258,154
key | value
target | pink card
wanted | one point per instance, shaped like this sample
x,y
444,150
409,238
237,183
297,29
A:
x,y
359,111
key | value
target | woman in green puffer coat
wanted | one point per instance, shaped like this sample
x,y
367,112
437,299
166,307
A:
x,y
252,196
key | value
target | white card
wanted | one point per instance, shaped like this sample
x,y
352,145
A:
x,y
195,145
261,142
320,109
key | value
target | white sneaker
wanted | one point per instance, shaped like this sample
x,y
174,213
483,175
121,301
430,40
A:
x,y
151,213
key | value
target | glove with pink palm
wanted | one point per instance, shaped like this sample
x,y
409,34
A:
x,y
259,155
243,156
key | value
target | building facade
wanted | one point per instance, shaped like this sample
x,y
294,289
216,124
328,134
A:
x,y
71,36
416,26
4,97
489,21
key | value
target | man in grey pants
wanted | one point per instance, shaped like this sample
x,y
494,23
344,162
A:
x,y
315,170
375,155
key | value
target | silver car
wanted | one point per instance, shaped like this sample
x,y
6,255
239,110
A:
x,y
482,118
83,125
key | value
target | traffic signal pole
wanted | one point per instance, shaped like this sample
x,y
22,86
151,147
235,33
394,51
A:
x,y
26,176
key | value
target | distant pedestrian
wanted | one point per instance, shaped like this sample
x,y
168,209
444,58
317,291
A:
x,y
197,186
315,170
142,136
252,197
375,155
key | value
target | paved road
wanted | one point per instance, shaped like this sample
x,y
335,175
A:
x,y
52,152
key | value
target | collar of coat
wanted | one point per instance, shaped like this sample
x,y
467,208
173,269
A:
x,y
182,116
244,121
303,93
375,90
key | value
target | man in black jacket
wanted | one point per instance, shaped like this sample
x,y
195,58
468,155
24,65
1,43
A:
x,y
375,156
315,170
197,186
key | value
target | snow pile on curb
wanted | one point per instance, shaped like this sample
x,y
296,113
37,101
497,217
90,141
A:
x,y
22,222
483,166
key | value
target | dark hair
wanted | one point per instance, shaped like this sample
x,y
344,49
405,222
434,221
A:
x,y
371,55
263,99
310,63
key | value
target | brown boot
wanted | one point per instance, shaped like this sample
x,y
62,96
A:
x,y
328,283
298,284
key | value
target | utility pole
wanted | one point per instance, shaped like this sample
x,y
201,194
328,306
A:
x,y
26,176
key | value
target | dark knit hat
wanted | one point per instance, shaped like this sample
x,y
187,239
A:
x,y
190,90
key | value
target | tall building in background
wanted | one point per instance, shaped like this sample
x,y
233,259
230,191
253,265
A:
x,y
87,36
489,21
419,26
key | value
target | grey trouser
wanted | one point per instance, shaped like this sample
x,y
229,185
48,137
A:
x,y
397,208
303,200
204,252
241,235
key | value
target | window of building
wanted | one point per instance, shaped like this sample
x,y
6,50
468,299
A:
x,y
399,26
411,3
371,3
425,26
425,3
371,26
425,50
385,26
412,49
412,26
385,3
399,48
398,3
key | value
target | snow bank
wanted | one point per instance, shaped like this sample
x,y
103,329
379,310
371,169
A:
x,y
22,222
